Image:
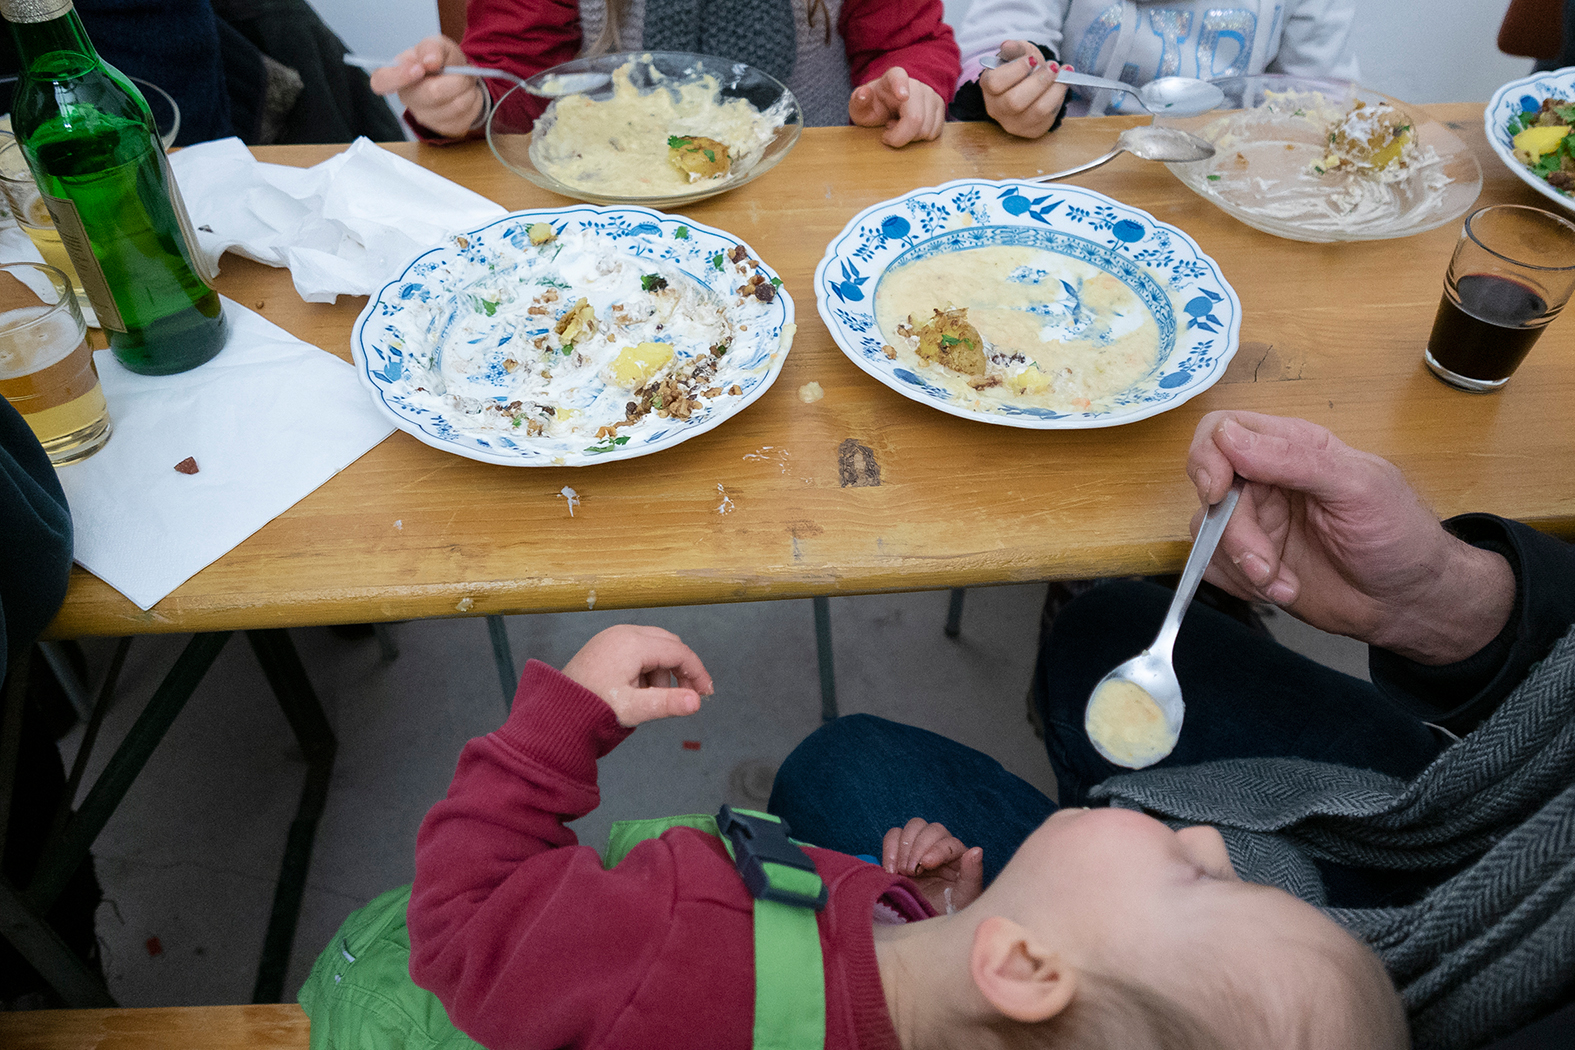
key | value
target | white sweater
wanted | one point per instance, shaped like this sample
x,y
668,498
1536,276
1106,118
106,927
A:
x,y
1136,41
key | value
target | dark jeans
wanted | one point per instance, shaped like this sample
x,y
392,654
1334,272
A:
x,y
1247,696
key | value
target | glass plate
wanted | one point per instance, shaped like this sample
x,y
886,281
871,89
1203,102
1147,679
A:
x,y
510,132
1271,136
464,298
1524,95
1197,314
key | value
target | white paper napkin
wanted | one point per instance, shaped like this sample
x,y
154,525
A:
x,y
268,421
342,227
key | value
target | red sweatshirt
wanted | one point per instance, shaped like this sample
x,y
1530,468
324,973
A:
x,y
528,36
528,942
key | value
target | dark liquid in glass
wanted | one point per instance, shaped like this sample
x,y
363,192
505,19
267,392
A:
x,y
1489,332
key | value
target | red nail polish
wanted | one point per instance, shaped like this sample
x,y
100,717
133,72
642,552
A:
x,y
1032,61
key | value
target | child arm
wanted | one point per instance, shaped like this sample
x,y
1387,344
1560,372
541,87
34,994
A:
x,y
903,64
504,899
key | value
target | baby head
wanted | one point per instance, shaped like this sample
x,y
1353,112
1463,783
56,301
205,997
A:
x,y
1108,929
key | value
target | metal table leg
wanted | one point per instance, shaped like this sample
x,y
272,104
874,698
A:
x,y
504,659
823,655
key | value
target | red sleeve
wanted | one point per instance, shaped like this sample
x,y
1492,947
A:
x,y
523,37
516,929
880,34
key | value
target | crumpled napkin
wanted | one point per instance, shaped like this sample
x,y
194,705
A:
x,y
343,227
267,421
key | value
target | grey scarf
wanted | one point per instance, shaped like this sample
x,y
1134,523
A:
x,y
759,32
1488,949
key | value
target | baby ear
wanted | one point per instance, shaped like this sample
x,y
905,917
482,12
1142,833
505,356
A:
x,y
1020,977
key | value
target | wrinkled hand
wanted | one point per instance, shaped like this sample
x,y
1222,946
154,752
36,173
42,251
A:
x,y
448,104
910,109
937,861
1337,537
1022,95
632,668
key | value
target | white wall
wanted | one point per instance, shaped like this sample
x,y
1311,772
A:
x,y
1415,50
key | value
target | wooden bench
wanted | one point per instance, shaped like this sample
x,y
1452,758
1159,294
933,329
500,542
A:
x,y
274,1026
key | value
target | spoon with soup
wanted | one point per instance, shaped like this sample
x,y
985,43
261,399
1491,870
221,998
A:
x,y
1134,716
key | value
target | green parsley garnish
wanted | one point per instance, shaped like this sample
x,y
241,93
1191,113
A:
x,y
716,260
776,282
652,282
677,141
682,233
1214,178
710,155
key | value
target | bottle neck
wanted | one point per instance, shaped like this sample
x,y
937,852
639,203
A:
x,y
56,47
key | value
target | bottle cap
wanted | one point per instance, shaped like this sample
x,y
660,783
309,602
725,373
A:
x,y
25,11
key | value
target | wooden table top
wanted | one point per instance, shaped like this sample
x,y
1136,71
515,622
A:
x,y
1333,333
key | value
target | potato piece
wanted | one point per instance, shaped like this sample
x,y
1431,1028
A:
x,y
578,322
948,339
1029,381
1535,142
634,366
697,156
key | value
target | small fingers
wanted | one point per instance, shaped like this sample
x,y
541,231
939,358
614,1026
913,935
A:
x,y
897,847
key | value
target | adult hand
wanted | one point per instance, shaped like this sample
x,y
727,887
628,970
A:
x,y
1022,95
448,104
910,109
1337,537
632,668
949,874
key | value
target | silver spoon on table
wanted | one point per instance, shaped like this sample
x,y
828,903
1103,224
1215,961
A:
x,y
550,87
1157,706
1149,142
1171,96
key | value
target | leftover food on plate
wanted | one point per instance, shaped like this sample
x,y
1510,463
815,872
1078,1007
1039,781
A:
x,y
572,336
1017,324
1541,142
1321,164
667,140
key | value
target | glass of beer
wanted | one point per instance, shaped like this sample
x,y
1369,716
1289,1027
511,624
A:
x,y
1512,272
46,367
27,206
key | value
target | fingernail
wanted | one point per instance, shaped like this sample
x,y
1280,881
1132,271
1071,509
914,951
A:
x,y
1032,61
1256,568
1055,67
1238,436
1205,482
1280,593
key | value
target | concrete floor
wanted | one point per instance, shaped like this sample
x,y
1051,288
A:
x,y
189,861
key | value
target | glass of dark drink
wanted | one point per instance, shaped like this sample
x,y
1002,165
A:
x,y
1512,272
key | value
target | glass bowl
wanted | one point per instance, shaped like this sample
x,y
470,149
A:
x,y
513,137
1273,131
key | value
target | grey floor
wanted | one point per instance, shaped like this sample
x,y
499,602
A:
x,y
188,862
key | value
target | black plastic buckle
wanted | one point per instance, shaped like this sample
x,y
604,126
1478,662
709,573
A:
x,y
758,841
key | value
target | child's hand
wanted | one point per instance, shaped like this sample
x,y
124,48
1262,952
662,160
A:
x,y
910,109
448,104
1022,95
631,667
949,874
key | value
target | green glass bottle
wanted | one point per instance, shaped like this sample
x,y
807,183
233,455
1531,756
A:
x,y
95,152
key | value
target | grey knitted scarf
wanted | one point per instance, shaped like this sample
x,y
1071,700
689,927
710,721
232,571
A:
x,y
760,32
1486,950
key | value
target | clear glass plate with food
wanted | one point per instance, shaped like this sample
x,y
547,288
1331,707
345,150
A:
x,y
657,128
1327,160
572,336
1026,305
1542,158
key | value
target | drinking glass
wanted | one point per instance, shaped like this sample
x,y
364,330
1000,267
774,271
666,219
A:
x,y
1512,272
28,208
46,367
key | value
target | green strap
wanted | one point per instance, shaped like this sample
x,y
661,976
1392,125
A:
x,y
790,974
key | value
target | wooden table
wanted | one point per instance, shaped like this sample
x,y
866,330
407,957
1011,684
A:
x,y
1333,333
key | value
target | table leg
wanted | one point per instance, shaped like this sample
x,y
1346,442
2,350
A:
x,y
293,689
823,654
47,953
504,659
954,612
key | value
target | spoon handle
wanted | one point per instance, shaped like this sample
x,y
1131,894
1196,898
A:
x,y
1214,522
1076,79
372,64
1112,155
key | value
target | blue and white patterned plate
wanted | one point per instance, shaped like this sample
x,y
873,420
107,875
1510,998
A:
x,y
448,296
1526,95
1196,312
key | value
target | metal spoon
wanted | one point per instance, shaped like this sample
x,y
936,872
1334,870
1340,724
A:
x,y
1172,96
1148,142
1152,670
541,84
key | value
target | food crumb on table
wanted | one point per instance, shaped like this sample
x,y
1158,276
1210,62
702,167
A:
x,y
187,466
810,392
466,604
570,495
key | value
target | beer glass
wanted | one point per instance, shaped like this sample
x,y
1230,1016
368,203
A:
x,y
46,367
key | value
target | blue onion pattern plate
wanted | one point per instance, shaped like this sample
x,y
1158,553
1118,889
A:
x,y
1526,95
472,348
1195,312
